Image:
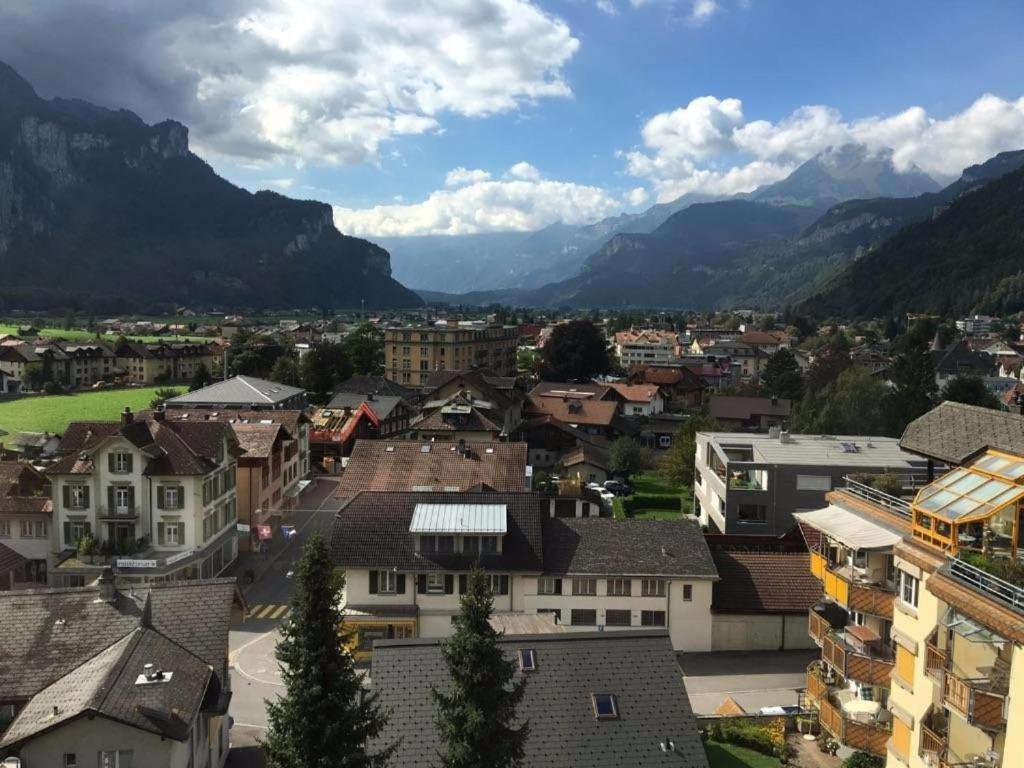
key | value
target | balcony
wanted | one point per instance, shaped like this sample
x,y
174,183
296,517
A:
x,y
867,735
854,589
934,737
118,513
894,504
980,701
935,659
979,575
817,626
853,657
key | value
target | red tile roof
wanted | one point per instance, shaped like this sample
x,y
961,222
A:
x,y
636,393
763,582
574,410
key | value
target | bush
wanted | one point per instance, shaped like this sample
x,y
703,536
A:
x,y
863,760
768,737
53,388
889,483
652,501
1002,568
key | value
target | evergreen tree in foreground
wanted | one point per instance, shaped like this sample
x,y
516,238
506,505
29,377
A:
x,y
475,717
325,719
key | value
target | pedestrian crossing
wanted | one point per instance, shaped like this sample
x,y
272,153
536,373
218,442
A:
x,y
272,611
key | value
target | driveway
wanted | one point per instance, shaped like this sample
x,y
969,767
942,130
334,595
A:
x,y
754,679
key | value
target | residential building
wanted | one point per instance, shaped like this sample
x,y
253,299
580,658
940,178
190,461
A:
x,y
158,498
749,358
640,399
384,465
590,390
750,414
100,677
466,407
242,393
393,412
34,446
9,383
334,432
681,387
588,462
378,386
592,699
412,352
581,409
20,360
976,325
406,557
550,440
959,359
753,483
25,523
163,361
768,342
504,384
646,347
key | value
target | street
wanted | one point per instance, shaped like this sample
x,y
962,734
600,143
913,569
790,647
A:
x,y
254,673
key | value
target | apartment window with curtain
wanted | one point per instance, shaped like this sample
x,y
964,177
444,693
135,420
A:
x,y
584,587
908,589
619,587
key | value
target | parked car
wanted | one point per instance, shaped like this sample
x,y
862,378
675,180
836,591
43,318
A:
x,y
607,497
618,487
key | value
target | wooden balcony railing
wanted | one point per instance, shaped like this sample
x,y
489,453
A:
x,y
817,627
867,737
871,599
862,667
854,595
817,688
979,707
935,659
932,743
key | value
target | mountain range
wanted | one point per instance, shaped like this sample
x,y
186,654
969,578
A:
x,y
101,211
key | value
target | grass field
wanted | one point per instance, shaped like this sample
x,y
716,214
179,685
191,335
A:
x,y
647,484
52,413
731,756
83,335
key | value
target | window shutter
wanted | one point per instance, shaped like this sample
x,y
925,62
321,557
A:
x,y
400,584
131,497
67,496
130,459
181,533
449,584
462,583
421,583
110,462
161,494
181,496
558,586
67,532
160,537
373,582
110,498
85,495
88,529
504,585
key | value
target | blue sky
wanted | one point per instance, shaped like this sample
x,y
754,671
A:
x,y
604,105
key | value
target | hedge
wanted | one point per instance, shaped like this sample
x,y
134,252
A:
x,y
652,501
768,737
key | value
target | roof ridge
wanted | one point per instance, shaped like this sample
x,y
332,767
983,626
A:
x,y
245,380
110,679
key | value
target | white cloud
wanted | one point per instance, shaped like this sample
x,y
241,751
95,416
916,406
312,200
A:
x,y
324,81
607,6
523,171
285,183
703,10
482,206
709,146
637,196
457,177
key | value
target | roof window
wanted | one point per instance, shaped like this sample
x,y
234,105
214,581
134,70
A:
x,y
605,706
527,660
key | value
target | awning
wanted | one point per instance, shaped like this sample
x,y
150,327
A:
x,y
849,529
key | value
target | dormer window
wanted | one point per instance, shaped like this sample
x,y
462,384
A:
x,y
605,706
527,660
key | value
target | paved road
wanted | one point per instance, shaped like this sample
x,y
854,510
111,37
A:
x,y
254,674
754,679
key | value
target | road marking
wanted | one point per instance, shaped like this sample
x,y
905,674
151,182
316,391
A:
x,y
279,612
250,725
254,609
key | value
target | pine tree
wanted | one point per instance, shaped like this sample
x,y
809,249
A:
x,y
475,717
325,718
201,378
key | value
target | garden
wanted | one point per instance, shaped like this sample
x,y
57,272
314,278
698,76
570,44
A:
x,y
53,413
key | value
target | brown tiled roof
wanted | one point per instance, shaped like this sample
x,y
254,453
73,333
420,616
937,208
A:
x,y
289,419
743,408
434,421
812,536
9,561
636,393
574,411
760,338
257,440
601,545
587,454
401,465
372,531
589,390
763,582
12,475
954,432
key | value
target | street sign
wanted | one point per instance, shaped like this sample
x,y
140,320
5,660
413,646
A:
x,y
288,531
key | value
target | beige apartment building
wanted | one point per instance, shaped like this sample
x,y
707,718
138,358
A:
x,y
411,353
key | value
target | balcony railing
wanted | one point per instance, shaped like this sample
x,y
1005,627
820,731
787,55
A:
x,y
894,504
848,661
118,513
867,737
969,699
935,659
985,582
932,743
841,585
817,626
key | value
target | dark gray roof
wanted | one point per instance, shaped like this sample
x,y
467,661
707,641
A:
x,y
378,385
238,391
959,358
372,531
637,667
602,545
382,405
954,432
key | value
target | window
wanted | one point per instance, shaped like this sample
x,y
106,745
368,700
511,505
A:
x,y
5,529
121,758
549,586
617,618
499,584
170,534
122,499
121,462
446,544
527,660
488,544
605,706
209,524
584,587
435,583
687,593
172,497
813,482
752,513
653,587
78,497
908,589
583,618
34,529
860,558
75,530
619,587
652,618
70,760
387,582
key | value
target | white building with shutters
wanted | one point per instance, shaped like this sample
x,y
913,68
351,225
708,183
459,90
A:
x,y
155,499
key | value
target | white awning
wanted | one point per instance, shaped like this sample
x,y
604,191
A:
x,y
459,518
849,528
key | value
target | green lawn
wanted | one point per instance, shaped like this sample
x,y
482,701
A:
x,y
654,484
731,756
84,335
52,413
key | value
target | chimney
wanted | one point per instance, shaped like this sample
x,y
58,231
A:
x,y
108,593
159,414
126,416
775,400
369,397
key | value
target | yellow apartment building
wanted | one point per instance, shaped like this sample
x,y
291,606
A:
x,y
411,353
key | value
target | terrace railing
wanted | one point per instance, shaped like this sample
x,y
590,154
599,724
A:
x,y
896,505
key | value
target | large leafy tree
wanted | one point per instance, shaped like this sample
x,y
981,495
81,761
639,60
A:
x,y
576,350
913,390
323,367
852,405
200,378
325,719
970,390
476,717
628,457
676,464
782,376
286,371
365,349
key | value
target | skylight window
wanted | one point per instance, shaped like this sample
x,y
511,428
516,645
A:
x,y
527,660
425,448
605,706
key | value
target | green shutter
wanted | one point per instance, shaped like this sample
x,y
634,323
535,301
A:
x,y
160,533
400,586
373,582
110,499
67,533
160,499
130,459
131,498
85,495
462,583
110,462
504,585
67,497
449,584
181,496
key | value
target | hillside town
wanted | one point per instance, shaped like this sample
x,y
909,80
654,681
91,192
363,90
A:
x,y
687,534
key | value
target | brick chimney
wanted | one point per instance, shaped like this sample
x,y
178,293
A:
x,y
126,416
108,593
159,414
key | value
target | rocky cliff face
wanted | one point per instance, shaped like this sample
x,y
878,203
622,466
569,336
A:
x,y
97,208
